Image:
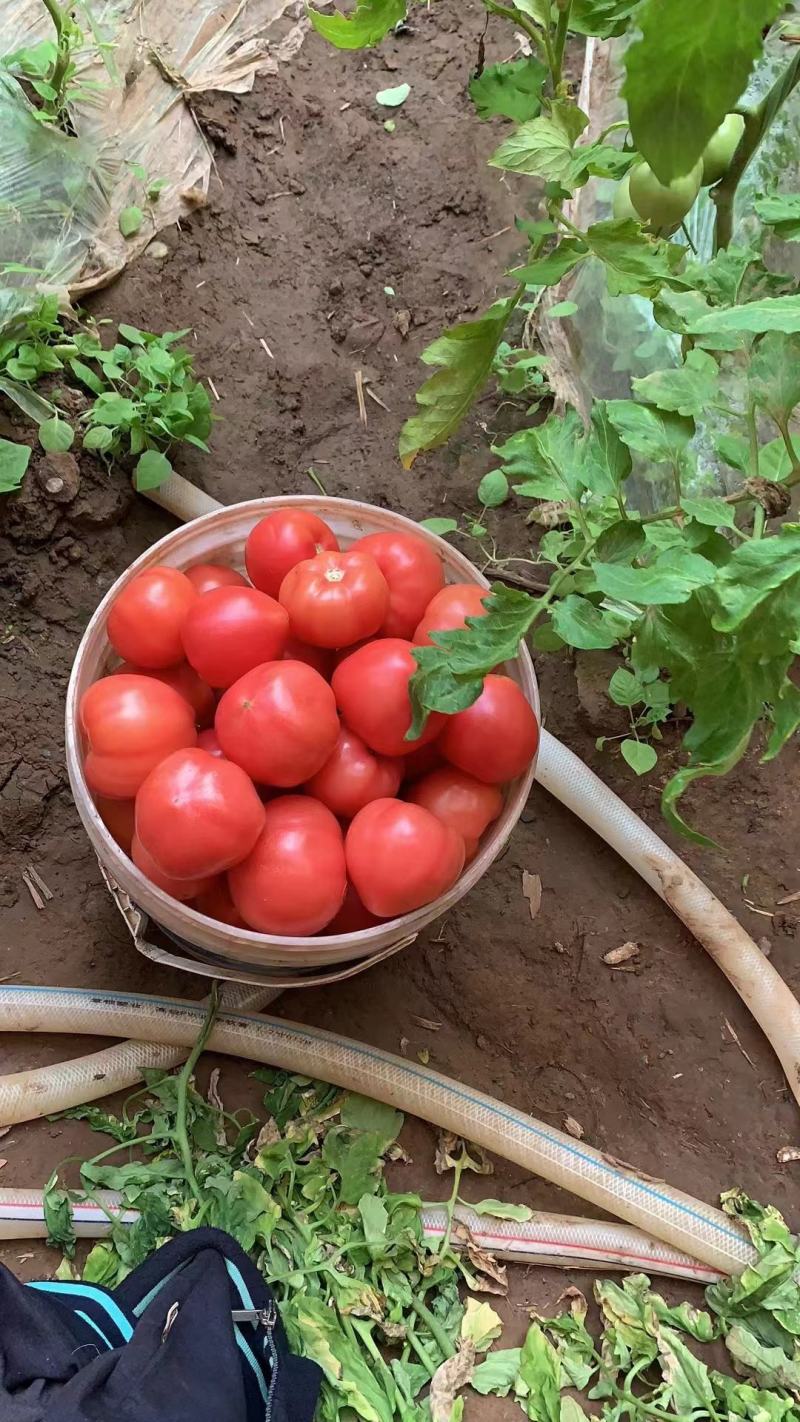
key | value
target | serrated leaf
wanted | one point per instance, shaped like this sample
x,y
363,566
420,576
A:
x,y
660,435
14,460
440,526
773,457
543,147
130,220
671,579
465,353
511,90
685,73
714,512
774,375
634,262
550,270
493,489
606,461
152,468
689,389
785,719
755,571
640,756
367,25
602,18
771,313
580,624
56,435
781,211
686,1376
547,456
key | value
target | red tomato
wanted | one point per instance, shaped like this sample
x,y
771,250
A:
x,y
197,814
320,658
216,902
495,739
131,723
180,889
118,818
279,541
353,775
205,577
279,723
413,572
399,857
352,916
230,630
371,688
145,621
335,599
419,762
209,742
185,681
294,880
449,609
460,801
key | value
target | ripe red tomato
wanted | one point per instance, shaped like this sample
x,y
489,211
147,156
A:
x,y
399,857
145,621
279,541
352,916
230,630
180,889
413,572
185,681
460,801
197,814
294,880
419,762
495,739
449,609
371,689
353,775
205,577
216,902
209,742
335,599
320,658
131,723
279,723
118,818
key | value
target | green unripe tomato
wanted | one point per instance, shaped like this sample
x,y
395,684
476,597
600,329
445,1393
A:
x,y
623,207
718,152
663,204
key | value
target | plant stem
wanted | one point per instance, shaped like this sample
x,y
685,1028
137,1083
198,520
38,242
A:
x,y
58,78
562,27
422,1353
756,126
434,1327
458,1171
181,1127
788,441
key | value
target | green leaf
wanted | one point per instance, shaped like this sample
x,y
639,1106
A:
x,y
781,211
501,1211
355,1155
685,1375
602,18
773,457
361,1113
55,434
621,542
550,270
130,220
624,688
496,1374
688,390
548,456
543,147
14,460
756,570
562,308
511,90
58,1218
771,313
99,438
712,511
672,578
393,98
440,526
686,72
539,1371
769,1366
640,756
580,624
374,1218
86,376
634,262
606,461
493,489
152,468
660,435
367,25
774,375
28,401
322,1339
465,353
785,718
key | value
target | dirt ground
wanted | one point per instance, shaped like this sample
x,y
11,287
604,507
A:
x,y
317,211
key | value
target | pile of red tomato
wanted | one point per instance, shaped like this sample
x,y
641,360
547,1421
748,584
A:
x,y
250,756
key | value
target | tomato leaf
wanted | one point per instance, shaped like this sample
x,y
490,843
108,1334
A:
x,y
687,390
501,1211
550,270
440,526
774,375
781,211
686,72
661,436
756,571
465,353
602,18
671,578
714,512
544,146
634,262
511,90
606,460
152,468
367,25
771,313
580,624
14,460
548,456
640,755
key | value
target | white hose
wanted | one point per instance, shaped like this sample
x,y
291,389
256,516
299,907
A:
x,y
560,1240
689,1225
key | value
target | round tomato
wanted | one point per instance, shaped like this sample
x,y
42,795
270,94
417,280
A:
x,y
495,739
209,742
320,658
294,880
335,599
216,902
180,889
460,801
422,761
279,723
145,621
399,857
279,541
118,818
205,577
230,630
371,689
197,814
623,208
353,775
449,609
185,681
718,152
131,723
413,572
352,916
663,204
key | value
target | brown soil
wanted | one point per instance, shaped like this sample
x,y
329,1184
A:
x,y
296,246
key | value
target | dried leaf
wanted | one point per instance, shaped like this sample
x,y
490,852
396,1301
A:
x,y
574,1128
451,1149
492,1276
632,1169
789,899
426,1022
615,956
532,891
424,1056
402,322
453,1374
215,1100
787,1154
268,1135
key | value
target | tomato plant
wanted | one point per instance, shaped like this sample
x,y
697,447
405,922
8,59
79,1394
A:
x,y
205,577
353,775
400,857
461,801
231,629
197,814
335,599
371,690
294,880
279,723
413,573
146,618
279,541
131,723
